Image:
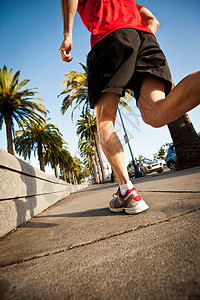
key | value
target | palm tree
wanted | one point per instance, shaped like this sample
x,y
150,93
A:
x,y
87,128
76,90
16,104
77,167
186,142
69,166
36,137
72,165
65,160
87,152
53,152
87,137
87,169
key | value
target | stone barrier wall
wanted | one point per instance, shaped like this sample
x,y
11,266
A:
x,y
26,191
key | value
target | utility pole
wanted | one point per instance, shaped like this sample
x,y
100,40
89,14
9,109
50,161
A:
x,y
138,173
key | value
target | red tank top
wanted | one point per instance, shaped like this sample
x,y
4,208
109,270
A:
x,y
101,17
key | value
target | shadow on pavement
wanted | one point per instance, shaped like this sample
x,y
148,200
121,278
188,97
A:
x,y
38,225
98,212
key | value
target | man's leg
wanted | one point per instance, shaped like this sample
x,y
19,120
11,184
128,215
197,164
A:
x,y
158,110
127,199
106,110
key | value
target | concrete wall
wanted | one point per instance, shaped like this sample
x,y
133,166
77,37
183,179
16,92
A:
x,y
26,191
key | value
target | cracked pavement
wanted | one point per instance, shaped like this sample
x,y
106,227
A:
x,y
78,249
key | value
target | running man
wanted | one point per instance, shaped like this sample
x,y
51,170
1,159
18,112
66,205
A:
x,y
125,54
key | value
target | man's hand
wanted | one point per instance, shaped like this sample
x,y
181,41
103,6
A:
x,y
65,49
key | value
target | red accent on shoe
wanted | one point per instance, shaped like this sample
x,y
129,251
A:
x,y
127,192
137,198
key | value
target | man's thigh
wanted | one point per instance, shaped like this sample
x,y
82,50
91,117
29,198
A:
x,y
150,61
152,90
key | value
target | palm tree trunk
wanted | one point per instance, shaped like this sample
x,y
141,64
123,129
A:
x,y
9,136
41,157
73,177
92,175
94,168
55,167
69,175
186,142
97,164
76,179
64,175
99,155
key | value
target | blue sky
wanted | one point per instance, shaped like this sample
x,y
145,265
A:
x,y
31,34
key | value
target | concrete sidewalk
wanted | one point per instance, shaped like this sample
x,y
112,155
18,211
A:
x,y
78,249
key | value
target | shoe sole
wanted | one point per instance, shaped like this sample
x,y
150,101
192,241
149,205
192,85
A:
x,y
140,207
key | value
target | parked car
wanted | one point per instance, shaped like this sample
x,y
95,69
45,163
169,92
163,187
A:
x,y
131,170
171,159
146,166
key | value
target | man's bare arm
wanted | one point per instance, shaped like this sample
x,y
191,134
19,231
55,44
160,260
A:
x,y
149,19
68,8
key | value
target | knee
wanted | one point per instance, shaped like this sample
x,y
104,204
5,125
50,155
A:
x,y
154,122
155,117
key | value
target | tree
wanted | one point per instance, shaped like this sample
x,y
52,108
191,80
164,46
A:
x,y
76,90
87,128
73,166
16,104
77,169
162,151
186,142
87,152
87,170
65,160
53,152
36,137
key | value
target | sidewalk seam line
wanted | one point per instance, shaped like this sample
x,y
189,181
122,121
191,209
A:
x,y
97,240
34,195
32,175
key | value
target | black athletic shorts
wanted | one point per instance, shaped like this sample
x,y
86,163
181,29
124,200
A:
x,y
118,62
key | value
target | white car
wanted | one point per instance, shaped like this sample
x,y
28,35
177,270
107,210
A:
x,y
148,166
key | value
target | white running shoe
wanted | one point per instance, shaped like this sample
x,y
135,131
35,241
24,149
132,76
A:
x,y
131,202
